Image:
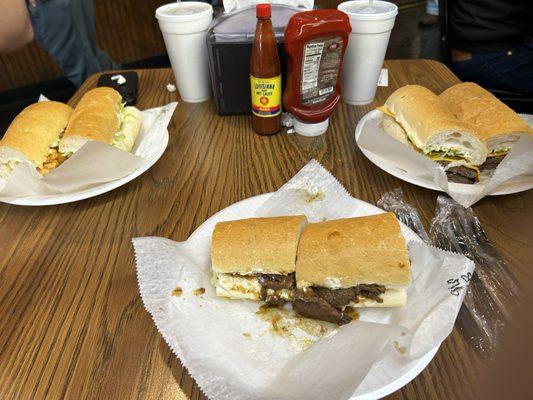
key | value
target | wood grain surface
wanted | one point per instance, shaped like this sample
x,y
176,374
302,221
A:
x,y
72,324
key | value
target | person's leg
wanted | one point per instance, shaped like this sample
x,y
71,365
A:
x,y
432,13
85,12
505,70
56,33
432,7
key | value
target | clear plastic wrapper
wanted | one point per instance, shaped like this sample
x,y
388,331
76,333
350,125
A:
x,y
493,291
394,201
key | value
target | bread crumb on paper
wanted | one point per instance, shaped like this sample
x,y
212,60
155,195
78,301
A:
x,y
199,291
400,349
247,335
316,196
301,332
176,292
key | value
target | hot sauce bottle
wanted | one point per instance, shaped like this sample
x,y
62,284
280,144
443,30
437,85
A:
x,y
265,76
315,42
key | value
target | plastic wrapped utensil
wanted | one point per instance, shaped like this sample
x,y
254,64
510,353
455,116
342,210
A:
x,y
493,291
394,201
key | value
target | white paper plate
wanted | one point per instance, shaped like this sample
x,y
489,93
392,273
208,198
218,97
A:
x,y
515,185
379,382
48,200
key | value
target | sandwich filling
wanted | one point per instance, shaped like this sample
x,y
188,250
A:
x,y
494,159
453,160
130,122
6,167
311,302
53,159
273,289
329,304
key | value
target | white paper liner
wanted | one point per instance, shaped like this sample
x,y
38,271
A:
x,y
93,164
517,166
207,332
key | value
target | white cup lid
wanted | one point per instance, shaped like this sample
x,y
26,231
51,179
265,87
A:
x,y
308,129
361,10
184,11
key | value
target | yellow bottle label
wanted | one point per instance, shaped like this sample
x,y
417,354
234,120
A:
x,y
266,96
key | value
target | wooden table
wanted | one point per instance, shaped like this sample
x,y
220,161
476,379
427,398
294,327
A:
x,y
72,324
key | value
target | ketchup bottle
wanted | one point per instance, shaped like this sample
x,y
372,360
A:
x,y
315,42
265,76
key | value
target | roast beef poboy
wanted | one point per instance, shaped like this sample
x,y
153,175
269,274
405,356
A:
x,y
352,262
255,258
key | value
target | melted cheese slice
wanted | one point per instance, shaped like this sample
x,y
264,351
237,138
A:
x,y
385,110
498,153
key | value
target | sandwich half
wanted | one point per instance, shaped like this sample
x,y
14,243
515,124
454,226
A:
x,y
495,122
255,258
33,137
100,116
431,128
352,262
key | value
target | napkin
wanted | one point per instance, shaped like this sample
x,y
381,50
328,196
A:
x,y
233,352
517,167
94,163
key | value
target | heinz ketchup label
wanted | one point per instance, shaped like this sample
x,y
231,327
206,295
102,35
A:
x,y
320,66
266,96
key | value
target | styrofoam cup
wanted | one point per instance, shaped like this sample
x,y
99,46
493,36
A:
x,y
366,49
184,27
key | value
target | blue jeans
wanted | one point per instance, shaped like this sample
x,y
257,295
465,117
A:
x,y
509,70
65,29
432,8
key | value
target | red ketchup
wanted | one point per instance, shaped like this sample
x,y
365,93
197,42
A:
x,y
315,42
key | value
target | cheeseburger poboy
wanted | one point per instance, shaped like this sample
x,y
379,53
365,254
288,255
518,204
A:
x,y
494,121
418,117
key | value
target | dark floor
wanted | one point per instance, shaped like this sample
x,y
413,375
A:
x,y
407,40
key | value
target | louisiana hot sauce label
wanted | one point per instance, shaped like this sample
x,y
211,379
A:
x,y
266,96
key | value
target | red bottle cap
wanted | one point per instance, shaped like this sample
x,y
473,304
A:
x,y
263,10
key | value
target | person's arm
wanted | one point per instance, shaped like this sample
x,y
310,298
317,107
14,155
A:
x,y
15,25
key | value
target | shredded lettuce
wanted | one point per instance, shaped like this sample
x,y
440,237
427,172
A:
x,y
445,152
125,136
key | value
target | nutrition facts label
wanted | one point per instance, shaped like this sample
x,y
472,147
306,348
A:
x,y
320,68
311,65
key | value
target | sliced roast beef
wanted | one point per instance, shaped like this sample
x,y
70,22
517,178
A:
x,y
372,291
308,304
277,282
491,163
337,298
